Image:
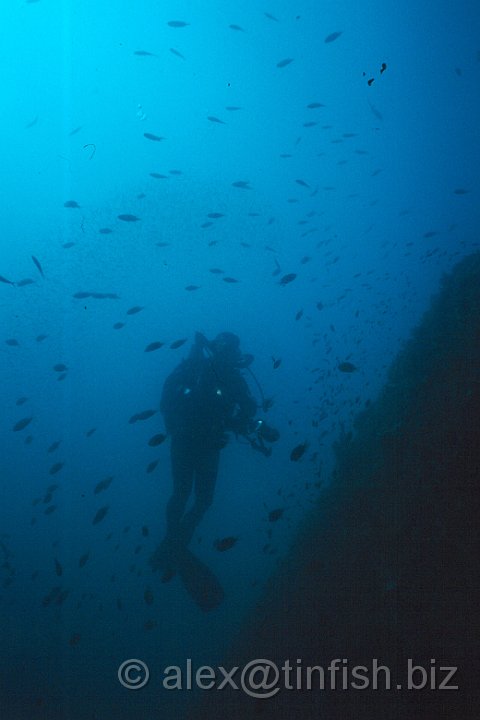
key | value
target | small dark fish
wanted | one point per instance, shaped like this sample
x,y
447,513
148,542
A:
x,y
236,27
68,245
100,515
83,560
232,108
158,176
134,310
333,36
177,53
230,280
157,440
206,224
102,485
12,342
60,367
105,231
275,515
22,424
58,568
151,466
153,346
56,467
212,118
216,271
118,325
126,217
148,596
6,281
460,191
287,279
347,367
21,401
54,446
144,53
215,215
177,23
151,136
82,295
39,267
299,315
145,531
192,287
319,306
302,183
178,343
225,543
50,509
75,130
298,451
144,415
71,204
276,362
383,68
24,282
283,63
315,105
244,184
270,17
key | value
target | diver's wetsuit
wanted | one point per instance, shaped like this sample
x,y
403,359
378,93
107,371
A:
x,y
201,400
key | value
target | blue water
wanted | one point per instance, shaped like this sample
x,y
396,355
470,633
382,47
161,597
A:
x,y
368,197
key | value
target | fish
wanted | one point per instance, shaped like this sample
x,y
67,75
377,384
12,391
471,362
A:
x,y
39,267
315,105
276,362
143,53
58,568
21,401
134,310
290,277
50,509
118,325
156,440
177,53
192,287
216,271
177,23
151,466
22,424
105,231
298,451
56,467
215,215
68,245
302,183
212,118
270,16
6,281
126,217
24,282
60,367
347,367
231,108
100,514
460,191
158,176
225,543
283,63
144,415
178,343
145,531
71,204
236,27
275,515
333,36
230,280
383,68
154,346
12,342
244,184
103,485
151,136
54,446
75,130
83,560
299,315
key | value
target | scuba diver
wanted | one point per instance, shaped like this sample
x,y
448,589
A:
x,y
203,399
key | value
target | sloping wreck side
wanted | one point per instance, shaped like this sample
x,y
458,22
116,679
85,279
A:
x,y
386,566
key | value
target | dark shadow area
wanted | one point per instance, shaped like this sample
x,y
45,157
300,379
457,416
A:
x,y
386,566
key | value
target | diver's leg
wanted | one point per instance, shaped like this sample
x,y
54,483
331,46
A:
x,y
182,462
206,469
